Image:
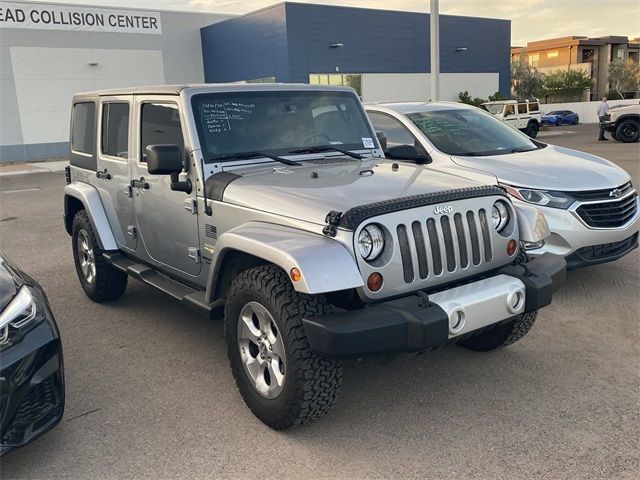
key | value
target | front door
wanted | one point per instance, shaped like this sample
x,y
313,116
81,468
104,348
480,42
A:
x,y
114,158
167,226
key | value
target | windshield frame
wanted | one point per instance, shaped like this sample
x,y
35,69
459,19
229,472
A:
x,y
282,152
489,118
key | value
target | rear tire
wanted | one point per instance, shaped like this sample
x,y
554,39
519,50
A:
x,y
100,281
558,122
502,335
532,129
282,381
627,131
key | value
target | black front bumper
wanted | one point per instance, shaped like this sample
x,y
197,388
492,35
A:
x,y
412,323
31,384
596,254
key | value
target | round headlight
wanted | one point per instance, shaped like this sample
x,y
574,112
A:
x,y
371,242
500,215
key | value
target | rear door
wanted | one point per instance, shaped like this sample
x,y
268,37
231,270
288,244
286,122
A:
x,y
166,221
114,158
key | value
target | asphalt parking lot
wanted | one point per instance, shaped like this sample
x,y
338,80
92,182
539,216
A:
x,y
150,395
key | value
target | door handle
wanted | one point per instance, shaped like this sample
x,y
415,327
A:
x,y
140,184
104,174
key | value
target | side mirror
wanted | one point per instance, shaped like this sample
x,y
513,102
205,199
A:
x,y
407,152
382,138
167,160
164,159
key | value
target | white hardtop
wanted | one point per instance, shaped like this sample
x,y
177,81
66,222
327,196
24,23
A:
x,y
212,88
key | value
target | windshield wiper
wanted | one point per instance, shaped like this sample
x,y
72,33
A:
x,y
522,150
328,148
248,155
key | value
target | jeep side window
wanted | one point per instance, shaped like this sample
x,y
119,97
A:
x,y
522,108
115,129
159,125
534,107
83,135
508,110
397,134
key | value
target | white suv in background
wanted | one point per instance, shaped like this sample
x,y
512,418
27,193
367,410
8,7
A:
x,y
524,116
589,203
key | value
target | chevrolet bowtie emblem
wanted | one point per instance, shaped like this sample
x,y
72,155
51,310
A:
x,y
616,192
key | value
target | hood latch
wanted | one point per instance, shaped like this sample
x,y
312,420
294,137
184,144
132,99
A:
x,y
332,219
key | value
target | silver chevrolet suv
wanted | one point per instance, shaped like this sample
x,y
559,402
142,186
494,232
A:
x,y
272,206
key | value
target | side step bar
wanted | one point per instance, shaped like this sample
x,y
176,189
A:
x,y
150,276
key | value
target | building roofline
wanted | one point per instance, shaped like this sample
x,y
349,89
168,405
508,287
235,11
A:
x,y
346,7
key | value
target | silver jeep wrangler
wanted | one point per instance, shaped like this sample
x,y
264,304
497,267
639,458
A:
x,y
273,206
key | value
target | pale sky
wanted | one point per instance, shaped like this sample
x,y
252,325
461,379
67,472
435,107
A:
x,y
530,20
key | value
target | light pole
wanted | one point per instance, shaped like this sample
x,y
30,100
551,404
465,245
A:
x,y
434,21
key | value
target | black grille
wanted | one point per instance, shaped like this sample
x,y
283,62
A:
x,y
405,253
591,195
421,250
609,214
606,250
39,401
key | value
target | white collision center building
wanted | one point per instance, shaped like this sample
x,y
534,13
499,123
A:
x,y
49,51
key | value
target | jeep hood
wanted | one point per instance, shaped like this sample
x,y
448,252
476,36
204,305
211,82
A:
x,y
550,168
311,191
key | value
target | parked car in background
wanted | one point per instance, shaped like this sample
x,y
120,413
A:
x,y
623,122
523,115
589,203
31,372
559,117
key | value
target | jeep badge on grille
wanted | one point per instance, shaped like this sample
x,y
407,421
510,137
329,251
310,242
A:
x,y
441,210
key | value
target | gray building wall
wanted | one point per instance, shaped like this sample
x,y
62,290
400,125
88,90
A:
x,y
375,41
36,91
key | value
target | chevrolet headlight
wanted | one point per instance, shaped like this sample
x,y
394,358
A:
x,y
544,198
18,316
371,242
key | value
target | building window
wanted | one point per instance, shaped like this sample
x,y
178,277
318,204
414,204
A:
x,y
84,128
534,59
587,55
347,80
262,80
553,54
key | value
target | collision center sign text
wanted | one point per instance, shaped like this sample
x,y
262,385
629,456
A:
x,y
66,17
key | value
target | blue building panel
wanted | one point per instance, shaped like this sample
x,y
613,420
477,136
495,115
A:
x,y
291,40
247,47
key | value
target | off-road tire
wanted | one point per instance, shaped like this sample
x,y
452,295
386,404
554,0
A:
x,y
532,129
627,131
312,383
502,335
108,283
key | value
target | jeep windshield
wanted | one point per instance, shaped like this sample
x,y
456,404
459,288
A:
x,y
470,132
494,109
279,123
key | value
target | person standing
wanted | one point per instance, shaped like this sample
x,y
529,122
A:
x,y
603,110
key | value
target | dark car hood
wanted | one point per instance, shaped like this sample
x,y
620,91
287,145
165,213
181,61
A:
x,y
10,281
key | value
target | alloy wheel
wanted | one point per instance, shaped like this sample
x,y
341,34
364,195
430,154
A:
x,y
261,350
86,257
